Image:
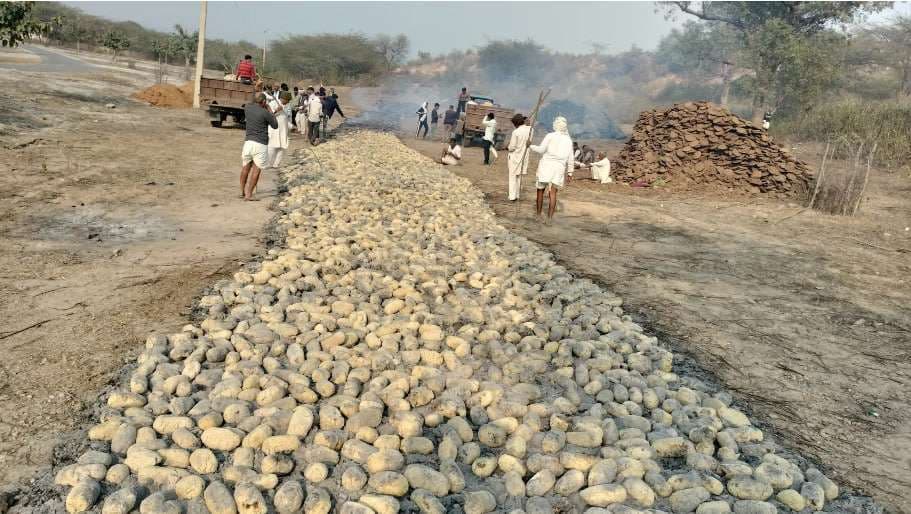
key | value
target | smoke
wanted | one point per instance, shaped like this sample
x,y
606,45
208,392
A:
x,y
511,73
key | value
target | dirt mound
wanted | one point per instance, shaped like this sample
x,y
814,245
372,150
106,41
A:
x,y
699,145
167,95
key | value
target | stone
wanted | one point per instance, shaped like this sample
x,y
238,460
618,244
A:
x,y
424,477
747,488
223,439
190,487
219,499
791,499
288,497
540,483
687,500
121,501
603,495
479,502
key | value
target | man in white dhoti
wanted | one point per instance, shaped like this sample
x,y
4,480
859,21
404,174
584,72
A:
x,y
556,162
278,137
517,159
601,169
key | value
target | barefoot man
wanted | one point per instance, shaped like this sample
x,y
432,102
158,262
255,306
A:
x,y
517,159
556,162
256,150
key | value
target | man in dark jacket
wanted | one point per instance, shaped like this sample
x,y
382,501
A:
x,y
256,151
450,117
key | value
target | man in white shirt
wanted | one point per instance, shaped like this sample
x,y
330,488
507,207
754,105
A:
x,y
556,162
452,154
601,169
517,159
314,115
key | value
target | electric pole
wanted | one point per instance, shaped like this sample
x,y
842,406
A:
x,y
200,54
265,42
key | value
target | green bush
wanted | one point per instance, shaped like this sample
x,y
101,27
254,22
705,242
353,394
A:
x,y
887,124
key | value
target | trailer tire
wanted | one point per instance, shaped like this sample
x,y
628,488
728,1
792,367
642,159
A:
x,y
215,123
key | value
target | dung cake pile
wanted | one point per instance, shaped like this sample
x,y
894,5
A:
x,y
398,355
698,144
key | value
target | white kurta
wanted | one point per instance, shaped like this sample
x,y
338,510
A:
x,y
517,147
453,156
556,159
490,129
601,171
517,165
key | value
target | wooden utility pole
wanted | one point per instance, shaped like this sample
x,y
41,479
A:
x,y
200,54
265,35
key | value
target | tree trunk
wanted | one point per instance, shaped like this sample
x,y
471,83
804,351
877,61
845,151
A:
x,y
114,58
186,67
727,70
77,47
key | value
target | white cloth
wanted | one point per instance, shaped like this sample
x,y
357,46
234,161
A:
x,y
314,109
278,137
490,129
601,171
275,156
518,147
556,159
422,112
256,152
456,154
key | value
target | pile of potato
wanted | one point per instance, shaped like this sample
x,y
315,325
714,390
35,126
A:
x,y
404,352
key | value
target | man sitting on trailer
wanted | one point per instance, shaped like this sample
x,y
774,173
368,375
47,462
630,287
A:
x,y
245,71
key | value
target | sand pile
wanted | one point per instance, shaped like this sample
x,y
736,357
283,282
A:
x,y
167,95
698,144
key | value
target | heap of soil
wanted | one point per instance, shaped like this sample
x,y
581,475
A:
x,y
699,145
167,95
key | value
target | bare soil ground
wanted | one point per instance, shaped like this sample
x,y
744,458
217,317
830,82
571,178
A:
x,y
111,222
804,316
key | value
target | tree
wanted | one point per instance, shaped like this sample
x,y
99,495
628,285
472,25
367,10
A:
x,y
330,58
513,60
770,31
394,49
702,50
75,30
17,23
891,47
115,41
185,46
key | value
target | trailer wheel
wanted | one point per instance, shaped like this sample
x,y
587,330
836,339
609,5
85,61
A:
x,y
215,123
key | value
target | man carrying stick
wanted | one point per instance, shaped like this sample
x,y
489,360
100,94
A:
x,y
556,162
517,159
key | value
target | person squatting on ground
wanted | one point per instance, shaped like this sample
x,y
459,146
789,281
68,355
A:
x,y
601,169
490,134
556,162
423,113
452,154
517,158
450,118
278,137
255,153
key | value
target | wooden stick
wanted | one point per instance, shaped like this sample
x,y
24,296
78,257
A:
x,y
863,188
533,117
822,171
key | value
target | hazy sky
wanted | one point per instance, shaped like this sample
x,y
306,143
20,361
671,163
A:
x,y
432,26
436,27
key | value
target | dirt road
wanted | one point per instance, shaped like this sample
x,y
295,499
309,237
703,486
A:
x,y
803,315
111,222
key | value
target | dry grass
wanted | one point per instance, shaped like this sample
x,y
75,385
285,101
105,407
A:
x,y
842,178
